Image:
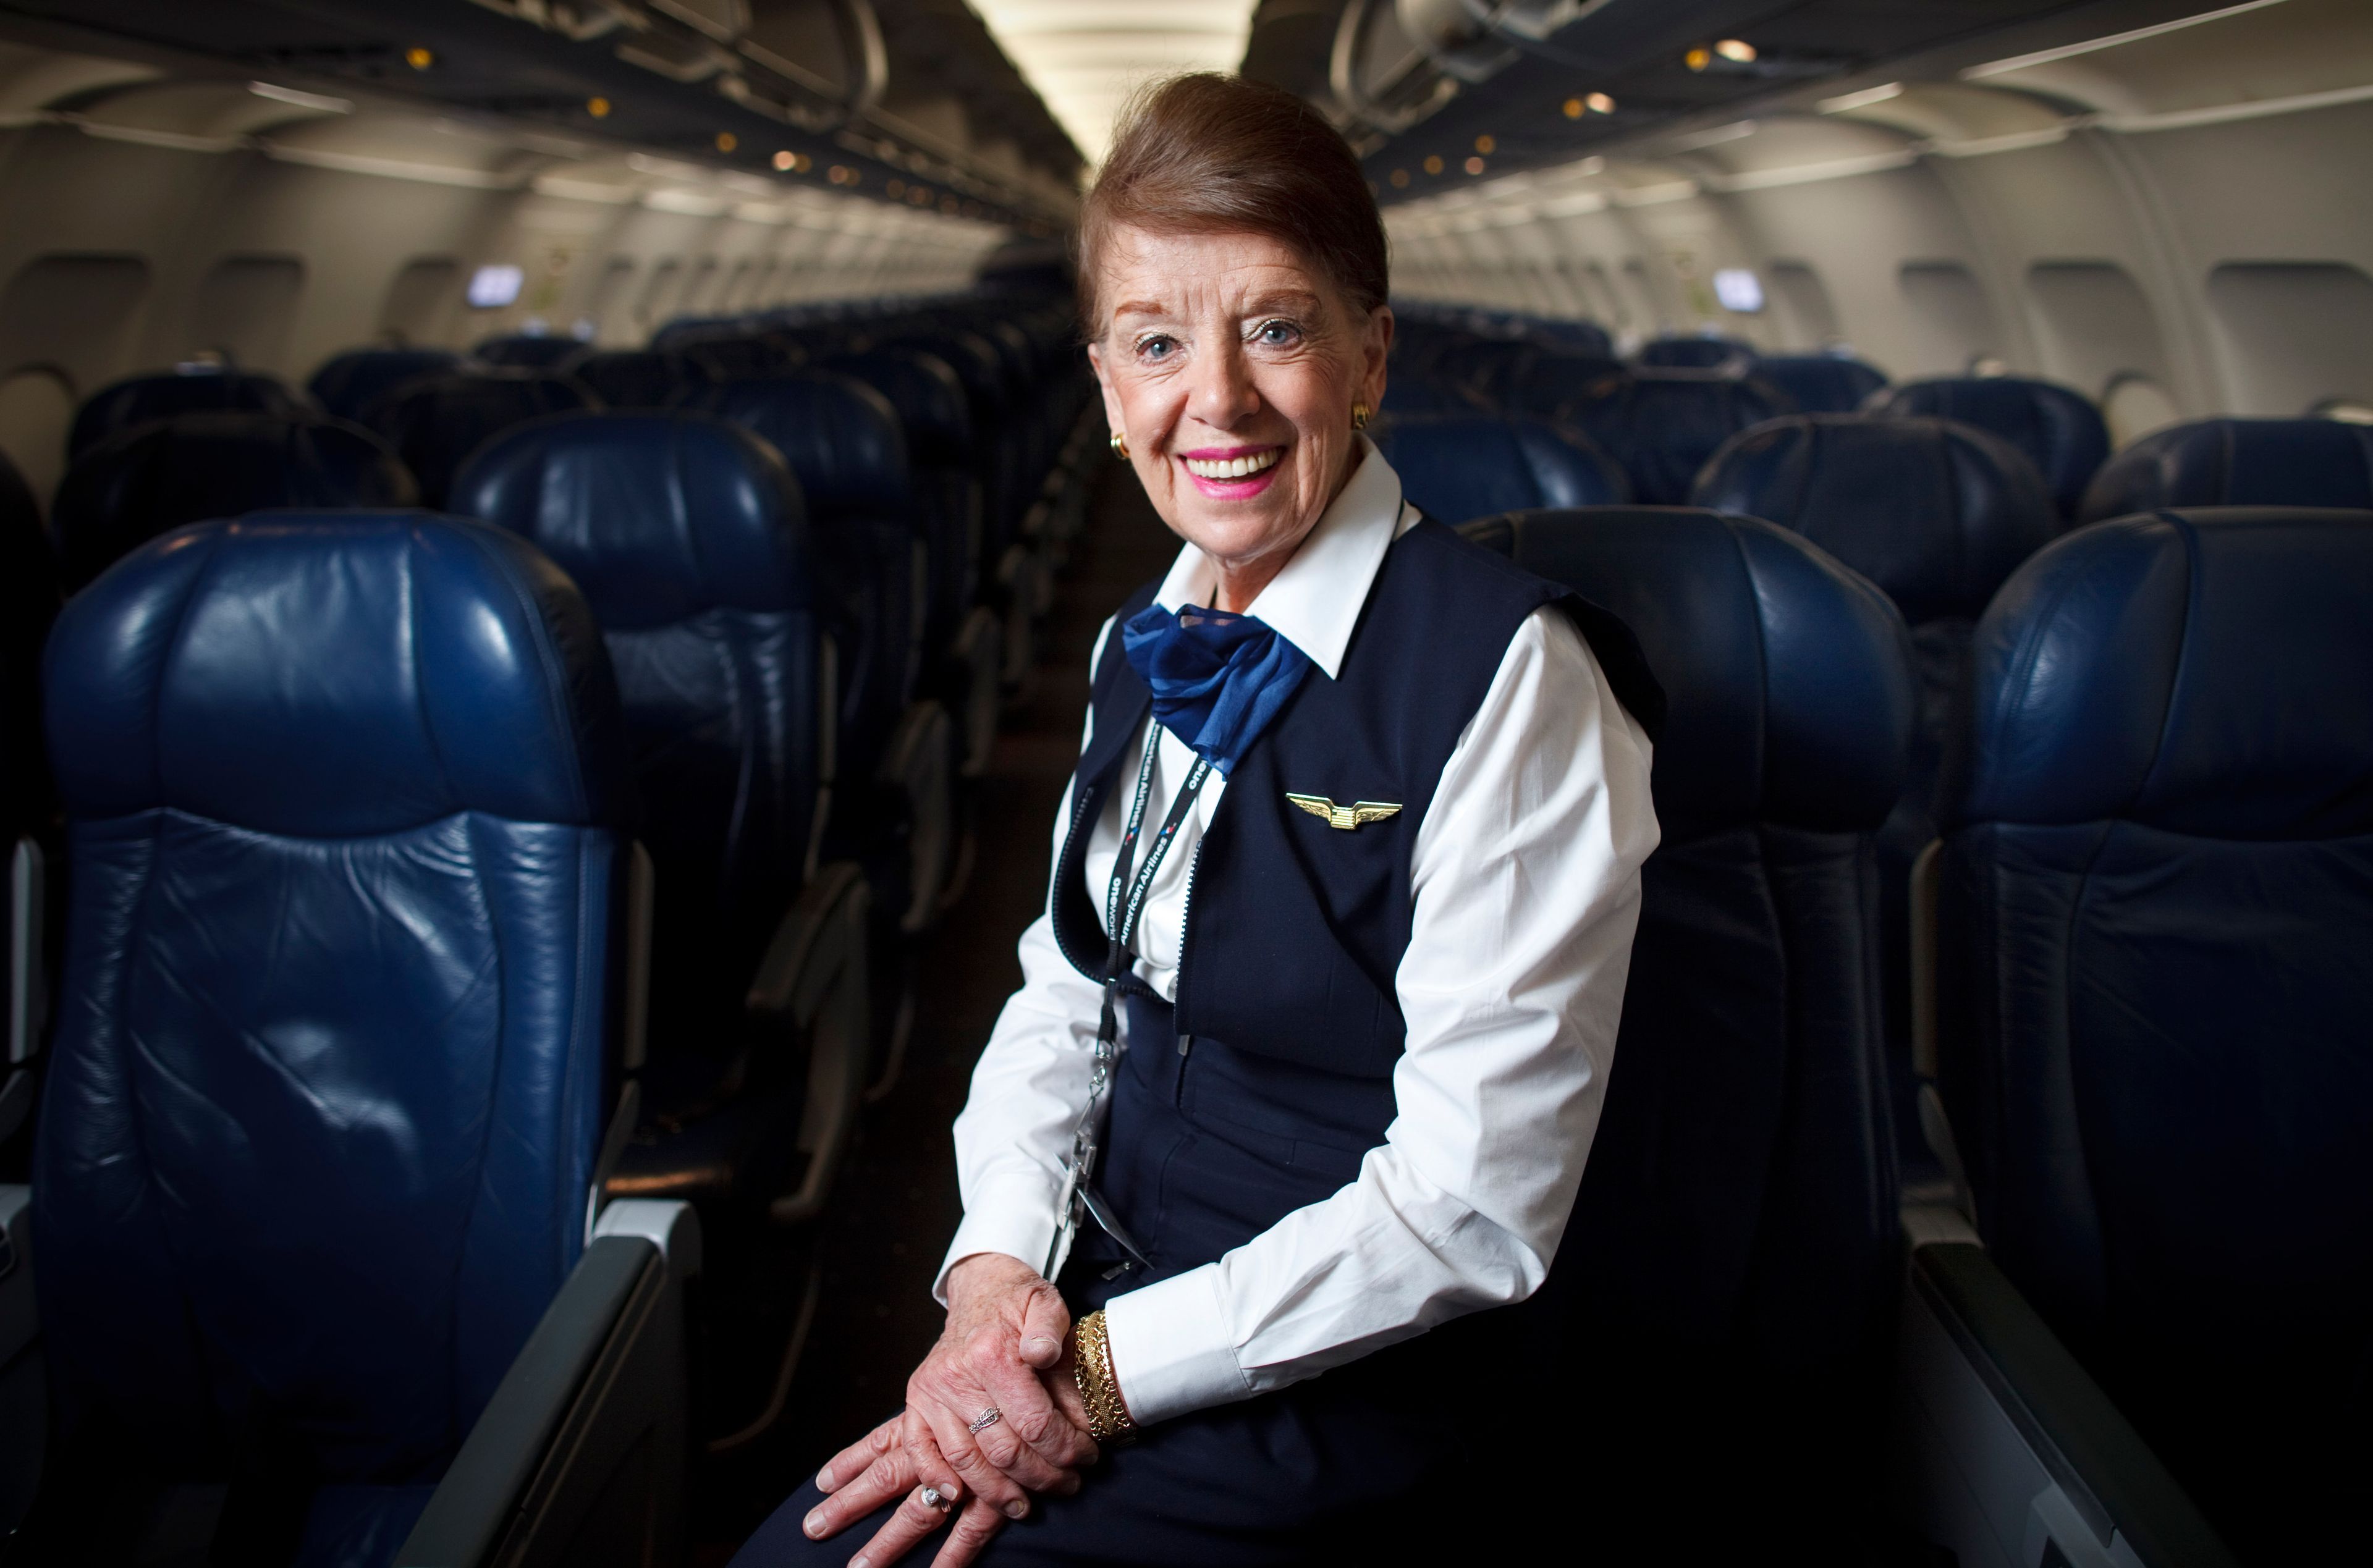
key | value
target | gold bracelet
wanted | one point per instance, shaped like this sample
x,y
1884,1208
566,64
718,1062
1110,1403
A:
x,y
1108,1419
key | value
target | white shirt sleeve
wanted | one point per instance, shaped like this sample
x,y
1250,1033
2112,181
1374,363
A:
x,y
1526,883
1027,1091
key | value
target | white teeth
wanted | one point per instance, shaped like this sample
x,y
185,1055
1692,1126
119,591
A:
x,y
1233,468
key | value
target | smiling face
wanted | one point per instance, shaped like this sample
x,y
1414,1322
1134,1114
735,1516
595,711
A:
x,y
1231,364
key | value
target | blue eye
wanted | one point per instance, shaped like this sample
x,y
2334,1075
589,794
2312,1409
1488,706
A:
x,y
1276,335
1157,346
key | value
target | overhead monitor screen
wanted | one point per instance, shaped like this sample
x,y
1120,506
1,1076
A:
x,y
491,287
1739,290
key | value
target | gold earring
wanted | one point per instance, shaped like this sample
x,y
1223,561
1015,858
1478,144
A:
x,y
1120,446
1359,416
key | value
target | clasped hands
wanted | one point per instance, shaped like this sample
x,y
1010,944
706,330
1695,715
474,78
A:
x,y
1007,1348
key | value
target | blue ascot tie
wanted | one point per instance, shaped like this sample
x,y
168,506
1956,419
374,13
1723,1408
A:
x,y
1218,679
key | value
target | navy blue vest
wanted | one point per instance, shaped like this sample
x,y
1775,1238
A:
x,y
1294,929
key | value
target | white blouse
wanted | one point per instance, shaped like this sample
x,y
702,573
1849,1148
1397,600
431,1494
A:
x,y
1526,876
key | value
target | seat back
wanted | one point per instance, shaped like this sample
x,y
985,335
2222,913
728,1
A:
x,y
1547,382
2057,427
348,384
136,400
529,351
1736,1232
690,542
2237,462
2153,916
846,446
1662,425
1457,465
334,1053
195,467
1822,383
1696,352
29,602
1937,514
436,422
639,377
937,419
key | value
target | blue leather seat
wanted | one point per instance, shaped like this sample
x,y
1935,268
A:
x,y
348,384
2237,462
436,422
1937,514
1457,465
346,797
1735,1234
2154,908
29,602
2057,427
1696,352
196,467
528,351
1407,393
1547,382
1822,383
734,356
645,379
690,541
937,419
136,400
1663,425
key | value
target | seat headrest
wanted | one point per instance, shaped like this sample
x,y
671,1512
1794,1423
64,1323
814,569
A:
x,y
1788,678
533,350
348,384
2058,428
1457,466
1822,383
139,398
1936,514
841,437
1662,425
2237,462
1549,381
656,516
1696,353
2207,672
436,422
196,467
335,675
638,378
925,394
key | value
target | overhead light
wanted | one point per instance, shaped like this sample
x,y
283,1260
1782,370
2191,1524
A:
x,y
896,188
418,58
597,107
1736,49
1844,102
1486,146
1473,165
326,105
1572,108
1433,164
2070,51
727,141
786,161
1599,103
1400,179
1697,59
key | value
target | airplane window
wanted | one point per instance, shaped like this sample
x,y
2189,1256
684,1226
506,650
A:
x,y
2348,411
2294,333
1738,290
2095,329
493,288
245,309
37,405
418,301
655,292
1951,322
607,306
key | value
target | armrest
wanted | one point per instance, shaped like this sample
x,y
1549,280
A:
x,y
920,763
2017,1446
580,1456
816,978
24,1390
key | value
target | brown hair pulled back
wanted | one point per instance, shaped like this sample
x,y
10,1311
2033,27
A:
x,y
1211,154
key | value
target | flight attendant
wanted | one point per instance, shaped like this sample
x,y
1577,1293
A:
x,y
1313,1038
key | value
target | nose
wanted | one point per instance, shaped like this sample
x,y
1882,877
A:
x,y
1223,395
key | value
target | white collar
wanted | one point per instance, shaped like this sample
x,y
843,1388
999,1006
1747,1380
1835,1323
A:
x,y
1315,599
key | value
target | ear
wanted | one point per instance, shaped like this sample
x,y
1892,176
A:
x,y
1375,349
1104,385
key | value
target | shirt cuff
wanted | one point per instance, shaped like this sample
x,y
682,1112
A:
x,y
1013,1213
1171,1350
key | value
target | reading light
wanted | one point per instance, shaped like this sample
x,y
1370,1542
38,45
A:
x,y
1433,164
727,141
1737,51
1401,180
1475,165
597,107
787,161
418,58
1599,103
1697,59
1486,145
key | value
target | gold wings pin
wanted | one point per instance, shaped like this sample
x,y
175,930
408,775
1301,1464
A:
x,y
1356,815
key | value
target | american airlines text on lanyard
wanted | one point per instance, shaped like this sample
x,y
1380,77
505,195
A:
x,y
1123,905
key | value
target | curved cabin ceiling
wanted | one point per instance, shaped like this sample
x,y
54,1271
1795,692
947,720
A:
x,y
1086,56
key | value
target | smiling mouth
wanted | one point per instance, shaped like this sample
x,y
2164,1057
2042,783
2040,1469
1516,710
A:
x,y
1233,468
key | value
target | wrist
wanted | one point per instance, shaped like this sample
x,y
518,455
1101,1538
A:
x,y
1099,1384
991,1273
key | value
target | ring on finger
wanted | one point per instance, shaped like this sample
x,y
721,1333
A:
x,y
984,1420
930,1497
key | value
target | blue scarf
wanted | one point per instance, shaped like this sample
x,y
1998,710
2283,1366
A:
x,y
1218,679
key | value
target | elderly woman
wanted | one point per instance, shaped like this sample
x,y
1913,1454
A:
x,y
1313,1037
